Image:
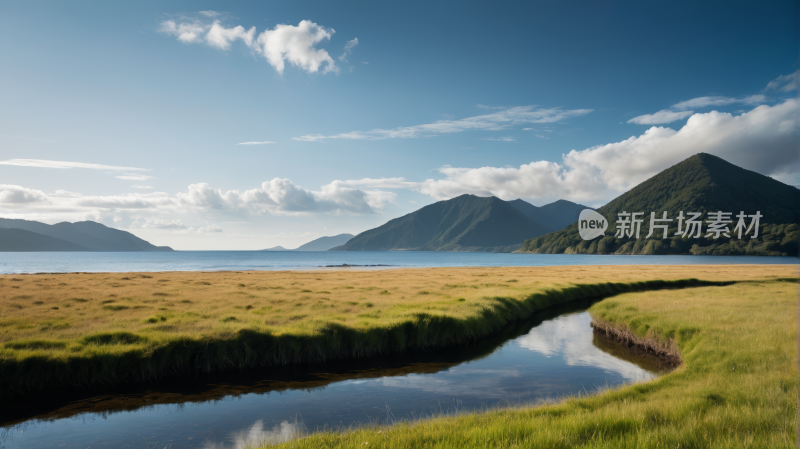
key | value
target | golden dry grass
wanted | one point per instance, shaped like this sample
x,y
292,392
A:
x,y
68,306
236,317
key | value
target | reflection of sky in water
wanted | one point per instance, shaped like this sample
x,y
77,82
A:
x,y
570,337
556,358
257,435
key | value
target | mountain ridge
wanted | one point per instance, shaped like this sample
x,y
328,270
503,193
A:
x,y
464,223
701,183
79,236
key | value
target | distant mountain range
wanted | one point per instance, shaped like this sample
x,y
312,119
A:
x,y
701,183
320,244
25,235
465,223
555,216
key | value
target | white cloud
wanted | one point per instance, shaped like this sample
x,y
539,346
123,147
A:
x,y
157,223
764,140
208,229
156,200
681,110
12,195
41,163
266,142
172,225
663,116
310,138
133,177
501,139
348,48
702,102
295,44
186,32
495,121
785,83
141,187
220,37
282,196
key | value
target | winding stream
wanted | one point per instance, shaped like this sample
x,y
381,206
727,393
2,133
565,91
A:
x,y
551,355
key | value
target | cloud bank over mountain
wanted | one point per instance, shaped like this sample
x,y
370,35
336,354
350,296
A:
x,y
764,139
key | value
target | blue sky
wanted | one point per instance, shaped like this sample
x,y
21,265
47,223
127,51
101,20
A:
x,y
374,109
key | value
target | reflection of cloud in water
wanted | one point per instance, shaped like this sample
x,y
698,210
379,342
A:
x,y
571,337
462,380
256,436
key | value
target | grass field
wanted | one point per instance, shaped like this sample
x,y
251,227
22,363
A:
x,y
737,387
78,328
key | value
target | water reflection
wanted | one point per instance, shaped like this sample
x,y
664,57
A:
x,y
256,435
552,355
571,337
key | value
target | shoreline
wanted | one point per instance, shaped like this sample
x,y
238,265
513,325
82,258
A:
x,y
667,352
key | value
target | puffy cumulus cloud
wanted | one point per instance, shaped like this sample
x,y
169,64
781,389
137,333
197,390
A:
x,y
497,121
296,45
282,196
785,83
11,195
764,139
220,37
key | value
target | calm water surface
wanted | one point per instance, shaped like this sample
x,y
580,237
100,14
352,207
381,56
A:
x,y
547,357
59,262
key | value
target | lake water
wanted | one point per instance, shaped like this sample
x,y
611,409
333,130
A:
x,y
551,355
61,262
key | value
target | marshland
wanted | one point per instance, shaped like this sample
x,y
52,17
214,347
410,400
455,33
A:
x,y
92,329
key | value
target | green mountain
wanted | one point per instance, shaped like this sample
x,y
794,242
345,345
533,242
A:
x,y
464,223
702,183
555,216
79,236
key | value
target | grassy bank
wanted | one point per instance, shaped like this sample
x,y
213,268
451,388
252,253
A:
x,y
736,387
85,328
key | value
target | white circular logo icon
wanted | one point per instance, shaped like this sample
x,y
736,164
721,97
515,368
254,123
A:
x,y
591,224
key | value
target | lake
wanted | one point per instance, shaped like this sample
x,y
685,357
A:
x,y
65,262
549,356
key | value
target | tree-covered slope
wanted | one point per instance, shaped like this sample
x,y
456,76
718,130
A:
x,y
701,183
464,223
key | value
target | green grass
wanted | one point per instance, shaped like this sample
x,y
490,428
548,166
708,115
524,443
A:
x,y
736,388
207,321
